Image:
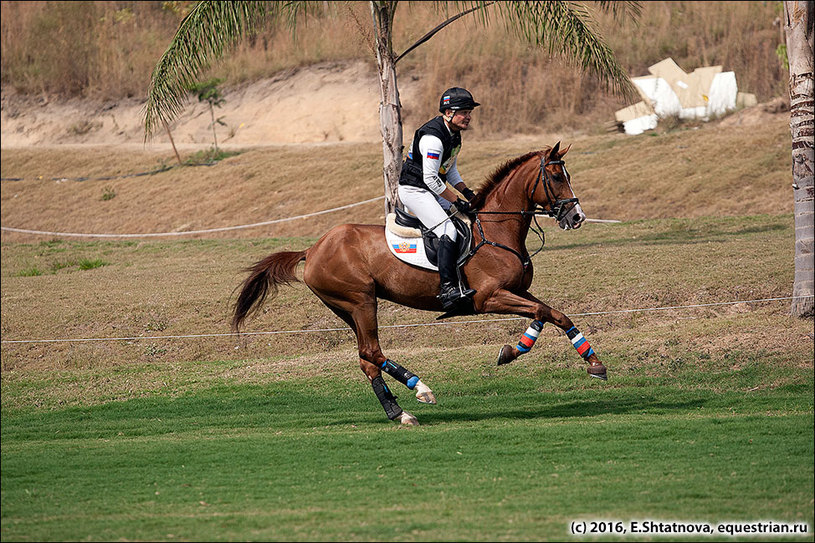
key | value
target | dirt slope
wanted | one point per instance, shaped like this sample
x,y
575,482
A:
x,y
324,103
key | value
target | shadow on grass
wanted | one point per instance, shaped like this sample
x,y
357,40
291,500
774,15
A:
x,y
310,405
258,407
569,410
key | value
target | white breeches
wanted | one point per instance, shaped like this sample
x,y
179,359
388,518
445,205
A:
x,y
427,209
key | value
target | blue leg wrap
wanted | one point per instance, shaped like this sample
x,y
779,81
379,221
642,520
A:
x,y
400,374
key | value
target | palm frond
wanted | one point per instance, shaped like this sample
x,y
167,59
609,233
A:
x,y
566,28
204,35
622,9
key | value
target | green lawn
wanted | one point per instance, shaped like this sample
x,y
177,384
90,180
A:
x,y
512,457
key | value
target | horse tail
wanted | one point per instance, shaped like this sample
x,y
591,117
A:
x,y
267,274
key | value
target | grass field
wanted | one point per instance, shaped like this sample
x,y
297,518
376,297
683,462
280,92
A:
x,y
707,415
516,456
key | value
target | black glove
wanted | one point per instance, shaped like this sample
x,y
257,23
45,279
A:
x,y
463,206
468,194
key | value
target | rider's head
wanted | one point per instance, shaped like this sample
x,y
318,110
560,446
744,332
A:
x,y
456,105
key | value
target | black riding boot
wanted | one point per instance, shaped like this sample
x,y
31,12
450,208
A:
x,y
450,293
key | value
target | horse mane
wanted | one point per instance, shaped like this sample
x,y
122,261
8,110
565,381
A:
x,y
500,174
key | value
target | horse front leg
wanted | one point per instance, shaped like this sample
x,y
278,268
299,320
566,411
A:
x,y
505,302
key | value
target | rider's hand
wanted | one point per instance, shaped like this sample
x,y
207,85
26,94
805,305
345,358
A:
x,y
468,194
463,206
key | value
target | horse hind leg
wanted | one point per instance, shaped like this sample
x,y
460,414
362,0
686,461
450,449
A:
x,y
392,409
370,358
410,380
372,362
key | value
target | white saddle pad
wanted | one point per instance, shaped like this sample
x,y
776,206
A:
x,y
407,245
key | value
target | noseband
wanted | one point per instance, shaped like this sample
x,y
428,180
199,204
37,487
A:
x,y
557,210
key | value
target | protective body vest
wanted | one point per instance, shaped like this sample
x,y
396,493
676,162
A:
x,y
412,173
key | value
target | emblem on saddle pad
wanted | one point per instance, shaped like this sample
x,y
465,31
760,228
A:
x,y
404,247
408,245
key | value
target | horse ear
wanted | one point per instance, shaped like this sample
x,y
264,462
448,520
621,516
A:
x,y
554,150
563,152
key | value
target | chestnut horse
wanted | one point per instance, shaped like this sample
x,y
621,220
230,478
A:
x,y
350,267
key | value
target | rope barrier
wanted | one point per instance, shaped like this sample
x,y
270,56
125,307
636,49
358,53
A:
x,y
190,232
475,321
210,230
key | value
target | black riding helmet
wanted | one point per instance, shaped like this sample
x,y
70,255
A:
x,y
457,98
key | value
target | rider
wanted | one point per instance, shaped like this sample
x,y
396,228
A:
x,y
429,167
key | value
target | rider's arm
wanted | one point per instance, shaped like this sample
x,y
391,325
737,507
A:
x,y
454,178
432,149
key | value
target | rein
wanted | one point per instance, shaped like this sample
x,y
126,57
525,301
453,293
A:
x,y
557,210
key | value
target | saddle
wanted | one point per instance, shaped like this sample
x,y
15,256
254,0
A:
x,y
411,242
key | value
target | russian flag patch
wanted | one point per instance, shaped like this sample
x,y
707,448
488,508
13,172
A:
x,y
433,156
404,247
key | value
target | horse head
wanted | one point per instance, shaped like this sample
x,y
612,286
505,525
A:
x,y
536,182
553,192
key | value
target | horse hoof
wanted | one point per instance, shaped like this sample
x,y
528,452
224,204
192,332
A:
x,y
598,372
407,419
424,394
505,356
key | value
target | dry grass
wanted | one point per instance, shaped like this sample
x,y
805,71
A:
x,y
152,290
684,173
528,88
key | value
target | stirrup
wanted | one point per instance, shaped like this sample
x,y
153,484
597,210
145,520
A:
x,y
467,292
448,295
451,295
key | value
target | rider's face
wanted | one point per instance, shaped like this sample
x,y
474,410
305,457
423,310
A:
x,y
460,120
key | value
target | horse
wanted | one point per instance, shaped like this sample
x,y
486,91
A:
x,y
350,267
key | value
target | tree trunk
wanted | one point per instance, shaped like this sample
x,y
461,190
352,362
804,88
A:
x,y
799,22
214,137
390,109
172,141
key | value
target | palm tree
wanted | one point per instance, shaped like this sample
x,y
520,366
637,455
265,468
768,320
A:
x,y
213,26
798,23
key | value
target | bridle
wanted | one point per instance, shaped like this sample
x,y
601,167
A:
x,y
558,208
